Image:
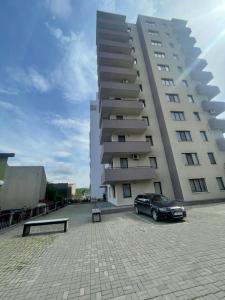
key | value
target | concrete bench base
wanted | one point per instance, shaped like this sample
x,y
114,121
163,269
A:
x,y
27,225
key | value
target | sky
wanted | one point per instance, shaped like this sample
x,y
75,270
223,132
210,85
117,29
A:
x,y
48,73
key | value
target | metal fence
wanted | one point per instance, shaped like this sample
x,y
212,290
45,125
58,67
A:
x,y
15,216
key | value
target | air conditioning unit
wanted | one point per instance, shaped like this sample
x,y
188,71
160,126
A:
x,y
135,156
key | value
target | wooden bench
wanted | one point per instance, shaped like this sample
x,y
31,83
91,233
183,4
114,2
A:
x,y
27,225
96,212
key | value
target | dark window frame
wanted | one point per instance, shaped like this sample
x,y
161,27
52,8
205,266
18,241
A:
x,y
129,195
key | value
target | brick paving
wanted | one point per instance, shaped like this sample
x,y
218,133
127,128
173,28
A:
x,y
124,257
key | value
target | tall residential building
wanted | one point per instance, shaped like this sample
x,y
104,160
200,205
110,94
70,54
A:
x,y
158,126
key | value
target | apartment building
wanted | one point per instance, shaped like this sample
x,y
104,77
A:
x,y
158,126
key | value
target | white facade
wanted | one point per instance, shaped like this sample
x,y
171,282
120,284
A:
x,y
95,150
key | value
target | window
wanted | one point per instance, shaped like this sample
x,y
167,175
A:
x,y
152,32
143,102
180,69
177,115
190,159
156,43
160,54
185,83
135,61
172,98
220,183
124,163
167,33
146,119
133,49
141,88
211,158
151,23
196,116
153,162
114,191
126,190
198,185
175,56
183,136
158,187
149,139
131,38
163,68
204,136
119,117
190,99
167,82
128,29
171,45
138,73
121,138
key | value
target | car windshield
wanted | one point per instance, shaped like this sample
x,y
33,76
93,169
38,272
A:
x,y
160,198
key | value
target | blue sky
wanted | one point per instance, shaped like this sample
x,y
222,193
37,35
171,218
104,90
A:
x,y
48,73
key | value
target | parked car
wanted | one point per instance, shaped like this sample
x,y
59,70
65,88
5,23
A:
x,y
159,207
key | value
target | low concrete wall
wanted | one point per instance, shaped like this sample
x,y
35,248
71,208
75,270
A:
x,y
23,187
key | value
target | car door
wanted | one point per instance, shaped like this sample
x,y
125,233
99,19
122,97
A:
x,y
146,205
139,203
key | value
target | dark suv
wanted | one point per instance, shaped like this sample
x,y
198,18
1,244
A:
x,y
159,207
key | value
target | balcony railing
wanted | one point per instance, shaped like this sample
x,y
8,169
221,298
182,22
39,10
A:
x,y
131,174
110,24
115,60
221,144
107,73
202,76
210,91
114,89
217,124
197,64
112,35
193,52
114,47
213,107
115,107
116,149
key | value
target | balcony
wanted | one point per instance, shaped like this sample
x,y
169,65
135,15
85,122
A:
x,y
112,35
110,16
179,23
193,52
181,31
113,149
197,64
217,124
111,25
221,144
127,126
202,76
114,47
115,60
116,107
116,175
107,73
114,89
210,91
213,107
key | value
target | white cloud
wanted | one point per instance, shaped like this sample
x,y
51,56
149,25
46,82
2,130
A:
x,y
75,74
62,154
60,8
29,79
12,109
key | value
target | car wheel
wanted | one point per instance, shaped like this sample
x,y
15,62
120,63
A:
x,y
155,216
136,210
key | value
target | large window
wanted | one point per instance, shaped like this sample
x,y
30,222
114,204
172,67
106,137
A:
x,y
185,83
196,116
158,187
177,115
153,162
190,159
172,97
153,32
124,163
190,99
126,190
204,136
167,82
198,185
165,68
121,138
211,158
183,136
160,54
220,183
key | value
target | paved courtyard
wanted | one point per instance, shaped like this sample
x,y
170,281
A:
x,y
124,257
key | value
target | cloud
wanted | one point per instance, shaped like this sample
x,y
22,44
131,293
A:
x,y
62,154
9,91
76,73
60,8
12,109
28,78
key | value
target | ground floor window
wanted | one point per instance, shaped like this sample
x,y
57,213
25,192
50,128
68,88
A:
x,y
158,187
126,190
114,191
220,183
198,185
